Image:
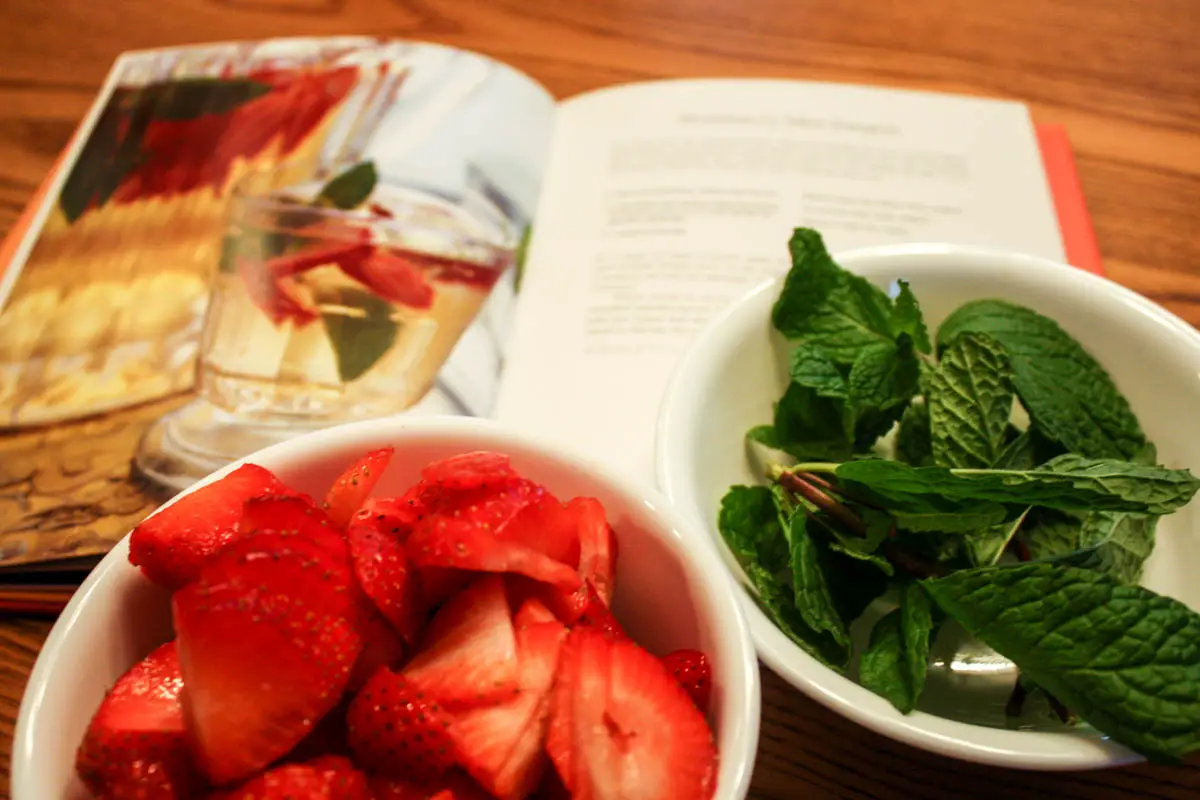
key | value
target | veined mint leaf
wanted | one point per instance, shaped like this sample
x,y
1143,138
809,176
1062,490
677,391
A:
x,y
985,547
350,188
360,341
749,522
834,449
1068,482
914,443
825,306
1070,397
777,602
1050,534
812,592
1019,453
970,400
1122,543
1121,657
908,319
932,515
882,381
812,367
879,525
807,424
897,658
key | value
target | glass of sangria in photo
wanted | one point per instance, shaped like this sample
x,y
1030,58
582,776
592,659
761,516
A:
x,y
338,298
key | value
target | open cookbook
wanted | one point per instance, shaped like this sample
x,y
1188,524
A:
x,y
248,240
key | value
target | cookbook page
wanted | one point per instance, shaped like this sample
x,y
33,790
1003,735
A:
x,y
666,201
249,240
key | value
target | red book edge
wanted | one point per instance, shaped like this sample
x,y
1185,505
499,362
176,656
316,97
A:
x,y
1058,162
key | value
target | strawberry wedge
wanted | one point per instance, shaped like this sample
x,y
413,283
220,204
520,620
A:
x,y
353,487
622,727
381,566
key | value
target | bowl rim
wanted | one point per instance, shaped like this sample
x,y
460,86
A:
x,y
1027,750
736,767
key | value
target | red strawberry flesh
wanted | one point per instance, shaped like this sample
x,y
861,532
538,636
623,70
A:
x,y
353,487
395,728
382,569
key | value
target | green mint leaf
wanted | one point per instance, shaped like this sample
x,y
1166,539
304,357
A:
x,y
1051,534
914,443
1020,453
882,382
908,319
813,598
351,188
854,583
750,524
1068,482
896,660
777,602
519,258
189,98
1121,542
1070,398
985,547
970,400
813,368
809,426
825,306
833,449
1121,657
933,514
360,341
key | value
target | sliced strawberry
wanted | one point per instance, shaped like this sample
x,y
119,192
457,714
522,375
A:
x,y
453,785
381,566
135,745
291,514
501,745
597,616
396,728
328,736
381,645
597,560
325,778
393,278
172,546
462,543
439,584
264,654
633,731
340,253
401,513
353,487
469,656
547,526
278,296
551,788
691,671
469,471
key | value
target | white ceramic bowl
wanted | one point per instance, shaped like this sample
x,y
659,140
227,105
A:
x,y
736,369
672,592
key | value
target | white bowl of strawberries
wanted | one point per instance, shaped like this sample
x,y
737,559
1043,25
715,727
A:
x,y
462,613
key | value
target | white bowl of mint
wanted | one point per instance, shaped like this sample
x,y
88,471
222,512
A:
x,y
955,485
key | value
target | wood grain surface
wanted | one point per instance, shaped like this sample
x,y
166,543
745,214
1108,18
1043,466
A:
x,y
1122,75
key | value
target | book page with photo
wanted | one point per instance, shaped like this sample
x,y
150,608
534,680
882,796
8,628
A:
x,y
646,231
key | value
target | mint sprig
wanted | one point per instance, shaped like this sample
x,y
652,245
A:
x,y
895,472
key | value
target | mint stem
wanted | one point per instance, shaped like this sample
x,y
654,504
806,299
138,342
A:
x,y
793,482
826,467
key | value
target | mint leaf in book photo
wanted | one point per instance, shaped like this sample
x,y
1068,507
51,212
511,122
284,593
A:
x,y
1003,477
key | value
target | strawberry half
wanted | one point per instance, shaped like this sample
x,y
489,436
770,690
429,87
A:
x,y
135,745
469,471
501,746
171,546
470,653
597,616
353,487
325,778
452,786
382,569
597,561
395,728
381,645
265,650
548,526
291,514
622,727
691,671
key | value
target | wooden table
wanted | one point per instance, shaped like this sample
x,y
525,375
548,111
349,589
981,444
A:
x,y
1122,75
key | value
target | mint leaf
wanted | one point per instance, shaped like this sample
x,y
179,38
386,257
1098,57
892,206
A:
x,y
750,524
879,525
970,400
1070,398
1050,534
985,547
908,319
350,188
882,381
1122,543
914,444
360,341
777,602
1019,453
833,449
813,368
935,515
1121,657
825,306
808,425
897,657
1068,482
813,598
